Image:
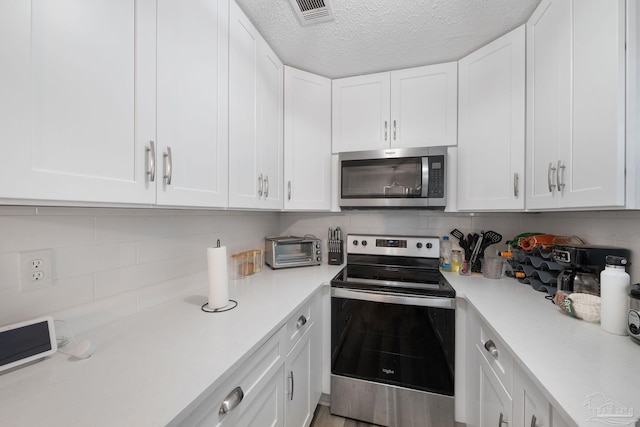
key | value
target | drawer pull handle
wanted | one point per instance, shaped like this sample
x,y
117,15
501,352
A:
x,y
232,400
301,322
491,348
502,420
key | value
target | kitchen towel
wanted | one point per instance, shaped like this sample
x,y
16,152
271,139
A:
x,y
218,277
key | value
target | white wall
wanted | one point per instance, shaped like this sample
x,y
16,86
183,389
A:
x,y
111,263
612,228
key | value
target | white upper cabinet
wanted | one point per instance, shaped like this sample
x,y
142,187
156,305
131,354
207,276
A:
x,y
307,140
491,133
361,108
576,104
77,111
192,98
424,106
256,78
415,107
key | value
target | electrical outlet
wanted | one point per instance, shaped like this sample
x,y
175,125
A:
x,y
36,270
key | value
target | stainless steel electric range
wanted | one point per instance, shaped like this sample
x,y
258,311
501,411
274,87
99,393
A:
x,y
393,333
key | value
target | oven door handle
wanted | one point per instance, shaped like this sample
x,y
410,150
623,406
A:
x,y
389,298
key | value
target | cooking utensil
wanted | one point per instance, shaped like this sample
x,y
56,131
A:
x,y
476,250
464,245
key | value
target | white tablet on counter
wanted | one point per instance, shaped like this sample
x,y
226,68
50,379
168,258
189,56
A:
x,y
26,342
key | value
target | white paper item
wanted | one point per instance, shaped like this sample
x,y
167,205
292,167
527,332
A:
x,y
218,277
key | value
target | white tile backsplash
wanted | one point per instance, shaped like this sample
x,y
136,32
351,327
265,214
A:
x,y
110,262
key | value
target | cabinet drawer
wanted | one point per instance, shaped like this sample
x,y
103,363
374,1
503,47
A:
x,y
497,356
300,322
251,377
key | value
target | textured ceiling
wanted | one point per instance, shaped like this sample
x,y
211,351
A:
x,y
379,35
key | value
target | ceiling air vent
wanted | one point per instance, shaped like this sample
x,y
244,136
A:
x,y
312,11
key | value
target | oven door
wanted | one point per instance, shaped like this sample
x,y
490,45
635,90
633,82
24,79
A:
x,y
395,339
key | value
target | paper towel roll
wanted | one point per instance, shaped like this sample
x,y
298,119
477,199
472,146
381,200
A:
x,y
218,277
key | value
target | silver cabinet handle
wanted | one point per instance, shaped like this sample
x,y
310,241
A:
x,y
515,185
301,322
151,161
168,166
491,348
292,384
232,400
533,421
266,186
289,190
260,184
550,177
385,130
560,176
501,420
394,130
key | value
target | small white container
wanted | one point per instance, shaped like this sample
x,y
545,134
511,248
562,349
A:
x,y
614,285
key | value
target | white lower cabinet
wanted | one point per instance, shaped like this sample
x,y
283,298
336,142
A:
x,y
530,407
495,402
498,392
278,385
299,407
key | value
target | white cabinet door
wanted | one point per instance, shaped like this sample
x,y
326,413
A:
x,y
594,155
77,110
299,407
546,64
268,408
424,106
243,89
491,128
576,104
495,402
530,408
192,102
270,125
307,141
361,110
256,78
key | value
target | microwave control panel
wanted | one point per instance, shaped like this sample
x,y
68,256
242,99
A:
x,y
436,176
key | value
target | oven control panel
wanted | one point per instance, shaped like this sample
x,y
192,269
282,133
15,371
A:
x,y
411,246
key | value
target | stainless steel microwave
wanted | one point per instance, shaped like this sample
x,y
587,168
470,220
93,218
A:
x,y
394,178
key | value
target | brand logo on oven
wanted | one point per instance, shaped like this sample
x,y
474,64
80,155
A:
x,y
388,371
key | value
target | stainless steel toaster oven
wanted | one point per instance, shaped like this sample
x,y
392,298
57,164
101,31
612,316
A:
x,y
292,251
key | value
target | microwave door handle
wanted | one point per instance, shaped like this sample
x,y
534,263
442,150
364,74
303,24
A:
x,y
425,177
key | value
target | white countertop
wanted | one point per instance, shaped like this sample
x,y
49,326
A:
x,y
149,367
569,358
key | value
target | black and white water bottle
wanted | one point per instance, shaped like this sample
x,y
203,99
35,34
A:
x,y
614,298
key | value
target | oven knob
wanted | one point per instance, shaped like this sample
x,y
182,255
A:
x,y
317,246
364,243
429,245
317,252
355,243
418,245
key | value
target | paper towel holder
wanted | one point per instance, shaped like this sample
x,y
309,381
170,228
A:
x,y
232,304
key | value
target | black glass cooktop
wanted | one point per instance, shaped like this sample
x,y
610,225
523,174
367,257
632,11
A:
x,y
417,281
